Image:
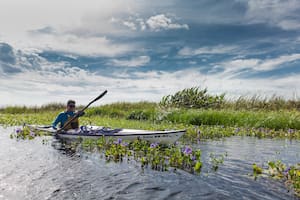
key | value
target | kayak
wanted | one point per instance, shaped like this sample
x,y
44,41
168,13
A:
x,y
96,132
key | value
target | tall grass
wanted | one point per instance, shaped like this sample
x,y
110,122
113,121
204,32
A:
x,y
200,98
257,102
190,107
33,109
141,110
267,119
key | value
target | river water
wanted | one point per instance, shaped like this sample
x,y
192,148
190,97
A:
x,y
33,170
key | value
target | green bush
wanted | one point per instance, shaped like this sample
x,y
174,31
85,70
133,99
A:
x,y
192,98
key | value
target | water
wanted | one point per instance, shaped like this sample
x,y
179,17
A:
x,y
31,170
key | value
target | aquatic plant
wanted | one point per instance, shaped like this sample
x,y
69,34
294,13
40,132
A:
x,y
154,155
23,133
279,171
256,170
216,160
196,133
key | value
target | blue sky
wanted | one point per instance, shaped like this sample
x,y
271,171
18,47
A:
x,y
51,51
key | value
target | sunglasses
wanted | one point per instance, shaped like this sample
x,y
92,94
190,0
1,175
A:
x,y
72,106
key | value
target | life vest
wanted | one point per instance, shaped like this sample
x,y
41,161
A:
x,y
73,125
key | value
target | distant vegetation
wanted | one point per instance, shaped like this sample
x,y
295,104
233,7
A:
x,y
193,106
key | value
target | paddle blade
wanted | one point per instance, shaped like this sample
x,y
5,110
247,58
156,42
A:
x,y
101,95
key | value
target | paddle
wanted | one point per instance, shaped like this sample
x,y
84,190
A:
x,y
75,116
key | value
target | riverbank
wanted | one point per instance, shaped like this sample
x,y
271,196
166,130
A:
x,y
200,123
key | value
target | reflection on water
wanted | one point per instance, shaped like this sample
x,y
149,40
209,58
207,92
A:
x,y
31,170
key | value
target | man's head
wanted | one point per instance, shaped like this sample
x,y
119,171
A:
x,y
71,105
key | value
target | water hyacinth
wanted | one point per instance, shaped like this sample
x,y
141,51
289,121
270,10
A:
x,y
32,134
25,133
152,155
187,150
286,171
153,145
119,141
18,130
125,144
291,174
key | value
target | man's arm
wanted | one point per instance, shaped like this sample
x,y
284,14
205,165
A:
x,y
57,120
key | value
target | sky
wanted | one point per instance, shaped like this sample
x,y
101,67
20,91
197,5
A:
x,y
55,50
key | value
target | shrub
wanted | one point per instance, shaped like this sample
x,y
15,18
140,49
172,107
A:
x,y
192,98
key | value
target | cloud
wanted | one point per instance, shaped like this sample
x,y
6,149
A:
x,y
284,14
58,81
6,54
44,30
234,67
154,23
80,45
131,25
162,22
111,40
133,62
220,49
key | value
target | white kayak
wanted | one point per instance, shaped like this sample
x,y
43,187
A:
x,y
95,132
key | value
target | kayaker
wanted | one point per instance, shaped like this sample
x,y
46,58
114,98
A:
x,y
66,115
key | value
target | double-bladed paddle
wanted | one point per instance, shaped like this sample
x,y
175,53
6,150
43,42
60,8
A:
x,y
77,115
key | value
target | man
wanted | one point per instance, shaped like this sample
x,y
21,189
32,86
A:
x,y
65,116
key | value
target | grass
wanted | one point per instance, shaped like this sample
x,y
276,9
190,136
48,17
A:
x,y
256,116
227,117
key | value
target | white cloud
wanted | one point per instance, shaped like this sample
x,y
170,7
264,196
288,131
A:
x,y
73,44
133,62
289,24
234,66
41,81
154,23
131,25
44,86
220,49
32,14
162,22
284,14
83,28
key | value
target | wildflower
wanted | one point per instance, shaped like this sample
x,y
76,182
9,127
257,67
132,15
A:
x,y
193,158
187,150
290,131
125,144
18,130
153,145
198,132
286,171
32,134
119,141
